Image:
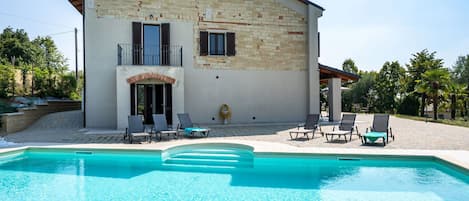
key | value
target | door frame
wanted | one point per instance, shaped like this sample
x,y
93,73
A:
x,y
134,99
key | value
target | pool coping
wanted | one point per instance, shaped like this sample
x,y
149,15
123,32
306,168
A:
x,y
457,158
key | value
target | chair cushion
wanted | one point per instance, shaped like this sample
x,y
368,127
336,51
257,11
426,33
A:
x,y
192,130
339,132
168,132
373,136
140,134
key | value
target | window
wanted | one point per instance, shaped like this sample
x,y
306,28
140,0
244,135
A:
x,y
217,44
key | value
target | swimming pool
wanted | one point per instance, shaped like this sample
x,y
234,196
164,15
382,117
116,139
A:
x,y
223,172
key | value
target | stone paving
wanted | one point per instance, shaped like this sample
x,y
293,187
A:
x,y
409,134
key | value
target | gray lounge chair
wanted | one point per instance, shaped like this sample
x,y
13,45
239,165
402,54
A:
x,y
136,129
379,130
310,126
189,128
161,126
346,127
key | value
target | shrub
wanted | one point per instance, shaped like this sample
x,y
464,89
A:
x,y
409,106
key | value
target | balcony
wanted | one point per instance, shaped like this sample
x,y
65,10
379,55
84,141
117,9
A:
x,y
158,55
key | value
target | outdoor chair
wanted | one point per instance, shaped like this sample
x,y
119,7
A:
x,y
190,129
161,126
310,126
379,130
346,127
136,129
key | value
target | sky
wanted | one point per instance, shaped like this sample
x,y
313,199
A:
x,y
374,31
370,32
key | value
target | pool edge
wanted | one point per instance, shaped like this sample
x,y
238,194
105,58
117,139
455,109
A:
x,y
454,158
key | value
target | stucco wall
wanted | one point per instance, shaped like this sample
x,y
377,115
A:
x,y
123,89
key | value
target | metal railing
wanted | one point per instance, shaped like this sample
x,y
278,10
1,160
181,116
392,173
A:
x,y
150,55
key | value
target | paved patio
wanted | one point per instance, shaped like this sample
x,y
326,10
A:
x,y
410,134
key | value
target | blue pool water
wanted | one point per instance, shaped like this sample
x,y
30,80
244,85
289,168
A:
x,y
218,173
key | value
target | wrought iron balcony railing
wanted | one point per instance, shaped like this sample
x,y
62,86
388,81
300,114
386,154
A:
x,y
152,55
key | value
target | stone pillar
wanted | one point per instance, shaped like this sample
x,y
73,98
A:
x,y
334,97
313,66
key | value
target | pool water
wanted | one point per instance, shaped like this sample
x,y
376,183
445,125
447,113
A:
x,y
222,174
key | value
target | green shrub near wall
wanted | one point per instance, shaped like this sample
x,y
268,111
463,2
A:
x,y
409,106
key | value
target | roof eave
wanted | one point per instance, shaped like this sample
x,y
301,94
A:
x,y
313,4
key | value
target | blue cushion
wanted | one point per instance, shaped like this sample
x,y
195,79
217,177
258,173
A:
x,y
373,136
191,130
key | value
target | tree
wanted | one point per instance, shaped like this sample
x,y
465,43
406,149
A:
x,y
15,47
39,57
434,83
349,66
7,81
456,91
461,70
359,92
420,63
388,86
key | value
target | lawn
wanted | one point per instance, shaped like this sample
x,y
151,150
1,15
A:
x,y
459,121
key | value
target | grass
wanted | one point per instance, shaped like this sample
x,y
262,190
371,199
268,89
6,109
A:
x,y
458,122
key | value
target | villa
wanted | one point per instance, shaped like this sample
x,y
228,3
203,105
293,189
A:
x,y
167,57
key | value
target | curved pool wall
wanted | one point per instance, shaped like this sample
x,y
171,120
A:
x,y
224,171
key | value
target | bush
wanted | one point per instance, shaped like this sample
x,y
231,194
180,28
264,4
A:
x,y
409,106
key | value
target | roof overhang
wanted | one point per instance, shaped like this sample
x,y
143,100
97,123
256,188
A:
x,y
313,4
327,72
78,4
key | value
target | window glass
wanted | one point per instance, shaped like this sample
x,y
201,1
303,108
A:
x,y
213,42
151,44
221,44
217,44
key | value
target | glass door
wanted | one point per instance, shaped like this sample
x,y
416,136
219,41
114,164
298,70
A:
x,y
151,44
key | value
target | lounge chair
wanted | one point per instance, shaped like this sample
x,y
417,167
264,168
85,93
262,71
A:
x,y
379,130
161,126
346,127
136,129
189,128
310,126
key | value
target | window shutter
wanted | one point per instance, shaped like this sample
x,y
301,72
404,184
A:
x,y
319,44
136,43
165,46
203,43
230,44
132,99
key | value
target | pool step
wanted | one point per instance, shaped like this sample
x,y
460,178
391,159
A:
x,y
198,155
218,151
210,158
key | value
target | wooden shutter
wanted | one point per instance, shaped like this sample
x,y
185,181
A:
x,y
230,44
319,44
136,43
132,99
165,46
203,43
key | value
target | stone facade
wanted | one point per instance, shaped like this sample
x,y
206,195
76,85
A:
x,y
269,35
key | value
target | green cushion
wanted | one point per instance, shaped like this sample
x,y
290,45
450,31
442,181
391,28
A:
x,y
373,136
189,131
